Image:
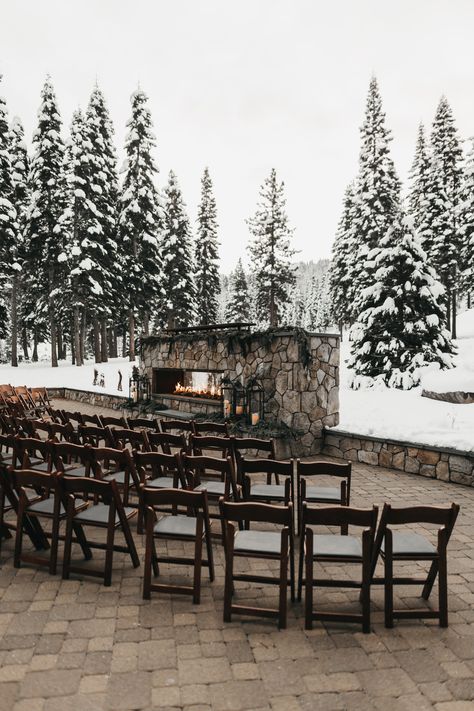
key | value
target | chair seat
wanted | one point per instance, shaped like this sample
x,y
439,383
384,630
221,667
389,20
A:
x,y
322,493
41,466
74,470
162,482
410,544
176,526
257,542
212,487
99,514
45,506
267,491
334,545
118,476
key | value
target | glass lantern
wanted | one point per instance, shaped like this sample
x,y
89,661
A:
x,y
238,399
254,402
227,390
138,387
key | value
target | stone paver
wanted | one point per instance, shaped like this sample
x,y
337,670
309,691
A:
x,y
76,645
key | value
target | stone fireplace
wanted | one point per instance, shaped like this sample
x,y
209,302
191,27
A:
x,y
299,373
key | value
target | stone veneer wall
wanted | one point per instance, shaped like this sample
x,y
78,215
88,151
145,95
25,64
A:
x,y
434,462
89,397
299,373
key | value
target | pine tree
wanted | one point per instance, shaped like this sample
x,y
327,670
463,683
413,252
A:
x,y
419,181
270,251
440,232
21,196
207,255
401,315
140,220
344,257
293,312
8,233
178,307
466,223
238,304
377,196
44,274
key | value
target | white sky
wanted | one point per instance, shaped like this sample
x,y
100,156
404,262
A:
x,y
248,85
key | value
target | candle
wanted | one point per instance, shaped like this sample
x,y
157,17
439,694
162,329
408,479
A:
x,y
239,410
255,418
226,408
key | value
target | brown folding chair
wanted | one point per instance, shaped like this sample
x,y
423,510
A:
x,y
216,428
167,442
396,546
133,439
210,445
265,491
74,418
263,544
250,448
91,420
35,454
338,549
111,421
118,465
9,506
193,528
62,433
158,471
74,459
107,512
58,416
143,423
95,436
329,495
180,426
42,505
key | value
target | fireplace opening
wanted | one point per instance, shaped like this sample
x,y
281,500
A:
x,y
187,383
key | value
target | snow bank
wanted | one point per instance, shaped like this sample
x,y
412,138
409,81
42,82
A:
x,y
67,375
465,324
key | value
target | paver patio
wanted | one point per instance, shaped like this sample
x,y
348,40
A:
x,y
77,645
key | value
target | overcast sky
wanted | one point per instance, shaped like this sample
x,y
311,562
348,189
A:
x,y
248,85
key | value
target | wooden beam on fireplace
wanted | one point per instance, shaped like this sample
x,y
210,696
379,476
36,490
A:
x,y
237,326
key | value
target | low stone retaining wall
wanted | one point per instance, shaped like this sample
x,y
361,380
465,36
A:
x,y
457,397
434,462
88,397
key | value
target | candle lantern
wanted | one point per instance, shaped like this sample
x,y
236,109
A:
x,y
254,402
227,390
238,399
139,388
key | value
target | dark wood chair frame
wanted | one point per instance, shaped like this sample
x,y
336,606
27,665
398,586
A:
x,y
181,426
68,456
106,492
194,502
198,444
206,427
271,468
342,471
242,445
95,436
9,503
342,517
166,440
122,462
136,439
445,517
143,423
263,513
111,421
154,465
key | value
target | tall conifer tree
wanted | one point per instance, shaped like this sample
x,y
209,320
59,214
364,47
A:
x,y
238,303
270,251
207,255
344,257
419,181
466,222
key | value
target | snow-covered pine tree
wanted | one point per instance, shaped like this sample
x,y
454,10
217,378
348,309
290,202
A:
x,y
9,264
341,271
419,181
104,187
377,194
466,224
20,167
440,232
293,312
178,307
206,255
44,274
401,315
270,251
140,220
238,304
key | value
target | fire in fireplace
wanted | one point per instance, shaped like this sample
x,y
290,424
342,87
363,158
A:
x,y
189,383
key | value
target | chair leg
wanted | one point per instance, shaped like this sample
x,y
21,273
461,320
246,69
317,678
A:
x,y
109,556
443,589
67,547
300,568
229,576
428,586
18,535
147,566
283,603
154,559
53,558
82,540
308,597
388,586
130,543
210,555
197,569
365,588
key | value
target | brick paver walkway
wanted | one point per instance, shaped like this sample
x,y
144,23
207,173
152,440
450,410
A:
x,y
78,646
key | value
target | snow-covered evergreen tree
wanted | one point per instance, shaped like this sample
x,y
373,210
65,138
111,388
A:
x,y
440,232
238,304
140,220
344,258
206,255
270,251
419,181
9,264
178,307
293,312
377,197
44,274
401,315
466,226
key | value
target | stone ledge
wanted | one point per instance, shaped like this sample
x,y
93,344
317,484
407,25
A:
x,y
434,462
89,397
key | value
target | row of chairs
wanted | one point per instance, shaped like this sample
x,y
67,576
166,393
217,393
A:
x,y
20,400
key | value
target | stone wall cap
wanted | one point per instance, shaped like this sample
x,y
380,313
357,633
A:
x,y
88,392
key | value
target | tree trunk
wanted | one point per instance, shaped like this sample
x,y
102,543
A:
x,y
96,327
60,341
453,330
146,324
131,330
14,320
34,357
448,312
341,329
468,299
82,340
103,341
124,342
73,341
24,342
273,311
77,336
52,320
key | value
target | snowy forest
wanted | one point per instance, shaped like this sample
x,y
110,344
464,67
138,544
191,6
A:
x,y
95,255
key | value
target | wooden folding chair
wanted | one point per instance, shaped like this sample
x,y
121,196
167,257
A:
x,y
210,445
158,471
95,436
193,528
167,442
250,448
267,545
266,491
111,421
312,493
133,439
9,503
338,549
107,512
143,423
74,459
91,420
215,428
35,454
180,426
118,465
62,433
396,546
74,418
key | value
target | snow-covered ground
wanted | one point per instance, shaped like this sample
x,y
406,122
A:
x,y
394,414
